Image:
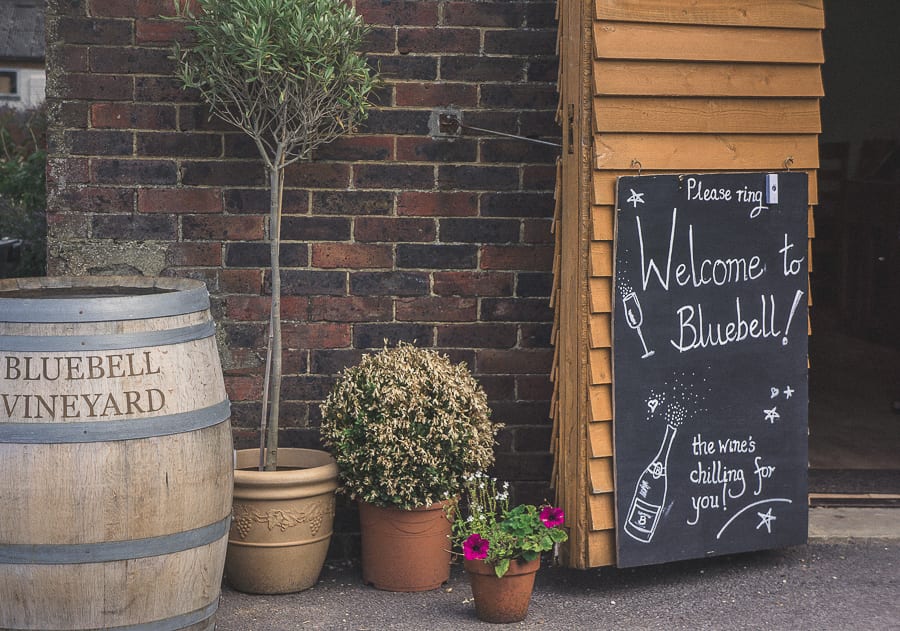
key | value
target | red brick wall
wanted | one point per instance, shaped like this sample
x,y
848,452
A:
x,y
389,234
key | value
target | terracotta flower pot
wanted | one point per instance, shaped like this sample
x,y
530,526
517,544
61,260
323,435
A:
x,y
504,599
405,550
282,521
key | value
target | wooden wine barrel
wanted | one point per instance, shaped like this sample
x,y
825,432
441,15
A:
x,y
115,455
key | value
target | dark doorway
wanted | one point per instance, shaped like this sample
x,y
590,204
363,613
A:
x,y
855,344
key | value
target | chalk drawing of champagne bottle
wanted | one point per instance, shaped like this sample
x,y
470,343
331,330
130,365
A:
x,y
634,316
650,493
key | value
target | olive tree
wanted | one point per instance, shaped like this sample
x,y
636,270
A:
x,y
290,74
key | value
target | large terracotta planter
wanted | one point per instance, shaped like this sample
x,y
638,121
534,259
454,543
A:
x,y
506,599
282,521
405,550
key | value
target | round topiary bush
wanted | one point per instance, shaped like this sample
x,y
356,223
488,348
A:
x,y
406,426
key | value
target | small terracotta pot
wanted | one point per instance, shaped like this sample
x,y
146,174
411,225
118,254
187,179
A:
x,y
405,550
506,599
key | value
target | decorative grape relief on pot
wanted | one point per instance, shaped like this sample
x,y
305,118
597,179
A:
x,y
245,518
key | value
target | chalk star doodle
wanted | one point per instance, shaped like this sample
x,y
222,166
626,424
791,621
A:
x,y
766,520
788,392
636,198
772,415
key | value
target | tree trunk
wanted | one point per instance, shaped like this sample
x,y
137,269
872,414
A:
x,y
276,186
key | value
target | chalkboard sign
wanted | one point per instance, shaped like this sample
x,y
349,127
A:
x,y
710,364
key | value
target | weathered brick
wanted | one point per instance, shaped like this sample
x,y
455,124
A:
x,y
317,175
388,121
306,387
514,361
538,178
194,254
133,171
403,176
527,42
179,200
256,201
161,32
243,387
436,256
197,117
477,335
240,281
537,231
488,14
132,116
517,151
351,255
472,230
352,203
542,70
438,40
542,123
333,361
134,227
437,204
541,15
132,61
343,308
318,335
295,228
414,148
527,466
436,309
228,228
380,40
517,204
258,254
212,173
482,69
248,308
69,58
535,334
472,177
393,229
100,143
533,438
516,257
436,94
80,30
179,144
245,335
161,90
97,199
534,285
391,283
313,283
519,96
474,283
375,335
516,310
405,68
357,148
399,12
534,388
91,87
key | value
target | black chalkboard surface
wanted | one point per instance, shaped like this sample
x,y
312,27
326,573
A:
x,y
710,364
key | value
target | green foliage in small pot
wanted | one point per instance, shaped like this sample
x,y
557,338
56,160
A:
x,y
406,427
489,530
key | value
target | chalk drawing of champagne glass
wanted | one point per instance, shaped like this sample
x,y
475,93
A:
x,y
634,316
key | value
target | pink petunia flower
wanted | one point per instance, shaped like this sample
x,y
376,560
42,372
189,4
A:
x,y
475,547
552,516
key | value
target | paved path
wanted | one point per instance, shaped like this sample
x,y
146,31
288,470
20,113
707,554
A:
x,y
832,583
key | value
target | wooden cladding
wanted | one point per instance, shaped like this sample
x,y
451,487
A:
x,y
657,86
